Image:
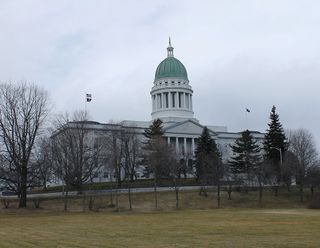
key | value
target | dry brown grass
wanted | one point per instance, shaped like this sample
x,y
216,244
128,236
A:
x,y
281,222
185,228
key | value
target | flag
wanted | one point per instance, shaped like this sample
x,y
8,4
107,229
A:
x,y
248,110
89,97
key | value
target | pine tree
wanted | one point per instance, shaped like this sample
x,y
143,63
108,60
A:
x,y
153,134
247,155
155,129
155,155
275,139
206,151
208,161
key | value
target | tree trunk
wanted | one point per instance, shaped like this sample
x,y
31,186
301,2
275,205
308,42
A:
x,y
117,200
260,192
218,193
129,194
91,202
177,194
155,194
119,184
66,198
80,188
301,190
45,184
91,198
23,187
229,191
276,190
288,187
312,190
111,195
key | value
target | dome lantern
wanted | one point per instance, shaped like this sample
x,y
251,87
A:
x,y
170,49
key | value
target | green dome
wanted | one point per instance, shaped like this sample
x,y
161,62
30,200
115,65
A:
x,y
171,67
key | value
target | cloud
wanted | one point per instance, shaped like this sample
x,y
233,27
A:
x,y
238,54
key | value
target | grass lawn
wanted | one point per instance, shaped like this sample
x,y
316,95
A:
x,y
182,228
241,222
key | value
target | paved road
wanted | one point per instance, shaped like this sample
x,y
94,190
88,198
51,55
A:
x,y
105,192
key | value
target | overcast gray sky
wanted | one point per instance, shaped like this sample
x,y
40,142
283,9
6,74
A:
x,y
238,54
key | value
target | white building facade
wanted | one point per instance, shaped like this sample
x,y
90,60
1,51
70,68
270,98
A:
x,y
172,102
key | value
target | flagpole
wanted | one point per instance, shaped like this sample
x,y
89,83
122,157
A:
x,y
247,119
247,124
87,99
85,104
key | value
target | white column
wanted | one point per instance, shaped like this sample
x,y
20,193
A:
x,y
183,100
177,99
190,106
177,145
168,140
169,100
187,101
185,145
162,101
192,146
191,101
152,103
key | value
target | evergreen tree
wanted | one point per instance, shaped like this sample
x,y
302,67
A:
x,y
275,140
155,155
246,155
206,151
208,161
155,129
153,134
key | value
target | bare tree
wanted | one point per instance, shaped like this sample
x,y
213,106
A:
x,y
122,148
76,151
313,177
132,157
132,153
186,162
23,109
114,149
42,167
303,147
262,172
174,168
159,160
288,169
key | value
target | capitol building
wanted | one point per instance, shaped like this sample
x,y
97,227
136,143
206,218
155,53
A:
x,y
172,102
